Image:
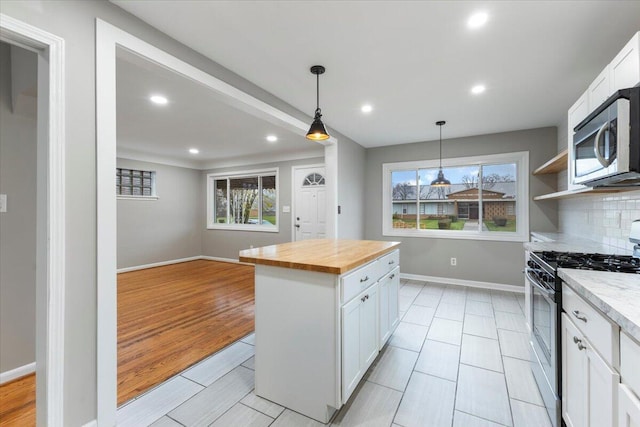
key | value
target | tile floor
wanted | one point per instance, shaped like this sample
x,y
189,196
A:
x,y
458,358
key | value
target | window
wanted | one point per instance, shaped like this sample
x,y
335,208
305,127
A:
x,y
487,198
131,183
243,201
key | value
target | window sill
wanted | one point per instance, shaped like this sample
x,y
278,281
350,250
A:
x,y
234,227
146,198
460,235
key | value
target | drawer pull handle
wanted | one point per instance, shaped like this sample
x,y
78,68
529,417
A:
x,y
366,296
578,341
362,299
579,316
392,262
365,279
392,276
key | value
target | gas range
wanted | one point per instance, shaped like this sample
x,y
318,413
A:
x,y
583,261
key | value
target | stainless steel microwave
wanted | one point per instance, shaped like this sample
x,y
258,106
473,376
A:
x,y
606,145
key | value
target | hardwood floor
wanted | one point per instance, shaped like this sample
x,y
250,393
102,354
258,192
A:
x,y
173,316
18,402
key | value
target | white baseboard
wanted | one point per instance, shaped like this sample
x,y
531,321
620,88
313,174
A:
x,y
158,264
18,372
93,423
463,282
231,260
178,261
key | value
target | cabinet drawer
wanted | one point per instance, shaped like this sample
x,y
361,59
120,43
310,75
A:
x,y
358,280
602,334
388,262
630,363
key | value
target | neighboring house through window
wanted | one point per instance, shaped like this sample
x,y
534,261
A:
x,y
487,198
243,201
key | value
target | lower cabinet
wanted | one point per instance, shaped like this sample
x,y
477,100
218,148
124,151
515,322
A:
x,y
589,384
388,288
359,338
628,407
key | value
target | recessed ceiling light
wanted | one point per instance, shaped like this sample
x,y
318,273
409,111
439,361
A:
x,y
477,20
478,89
366,108
272,138
194,150
159,99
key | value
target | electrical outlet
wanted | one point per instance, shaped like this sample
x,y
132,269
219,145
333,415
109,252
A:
x,y
454,261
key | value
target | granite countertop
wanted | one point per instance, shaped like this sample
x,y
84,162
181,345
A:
x,y
333,256
617,295
566,243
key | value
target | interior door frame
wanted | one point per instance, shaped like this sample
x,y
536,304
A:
x,y
50,234
294,169
108,38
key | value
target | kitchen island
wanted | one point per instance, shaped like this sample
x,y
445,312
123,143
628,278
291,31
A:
x,y
324,309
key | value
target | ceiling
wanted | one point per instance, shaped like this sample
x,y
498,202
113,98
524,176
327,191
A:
x,y
193,118
415,62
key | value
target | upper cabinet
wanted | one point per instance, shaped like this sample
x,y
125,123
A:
x,y
599,90
624,70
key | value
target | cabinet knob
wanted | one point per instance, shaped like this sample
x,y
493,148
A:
x,y
578,341
392,262
579,316
362,299
364,279
366,296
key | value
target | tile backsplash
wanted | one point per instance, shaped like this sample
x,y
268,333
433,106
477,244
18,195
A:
x,y
605,218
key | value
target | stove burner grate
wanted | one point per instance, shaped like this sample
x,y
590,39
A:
x,y
599,262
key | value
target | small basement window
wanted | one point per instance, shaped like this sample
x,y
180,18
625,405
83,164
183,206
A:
x,y
132,183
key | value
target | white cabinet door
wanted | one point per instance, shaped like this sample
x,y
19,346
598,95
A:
x,y
351,366
589,385
599,90
388,295
573,381
394,308
602,390
625,67
369,327
385,328
628,408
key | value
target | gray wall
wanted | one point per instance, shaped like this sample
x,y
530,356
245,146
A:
x,y
18,141
165,229
351,184
486,261
227,244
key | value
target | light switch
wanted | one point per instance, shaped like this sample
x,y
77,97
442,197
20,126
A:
x,y
3,202
286,209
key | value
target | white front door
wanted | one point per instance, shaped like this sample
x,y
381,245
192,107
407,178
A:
x,y
309,215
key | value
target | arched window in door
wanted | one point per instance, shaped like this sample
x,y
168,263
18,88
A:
x,y
313,179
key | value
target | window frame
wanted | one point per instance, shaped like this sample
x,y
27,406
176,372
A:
x,y
521,159
212,177
153,196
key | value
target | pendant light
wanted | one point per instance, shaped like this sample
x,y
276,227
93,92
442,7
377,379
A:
x,y
317,132
440,181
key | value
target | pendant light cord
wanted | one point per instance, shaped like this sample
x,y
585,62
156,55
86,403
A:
x,y
441,147
317,93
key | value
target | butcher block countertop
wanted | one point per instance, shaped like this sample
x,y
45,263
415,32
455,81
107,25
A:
x,y
332,256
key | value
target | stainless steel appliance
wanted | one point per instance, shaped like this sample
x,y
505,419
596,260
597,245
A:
x,y
606,144
546,308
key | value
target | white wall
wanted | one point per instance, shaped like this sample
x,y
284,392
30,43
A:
x,y
168,228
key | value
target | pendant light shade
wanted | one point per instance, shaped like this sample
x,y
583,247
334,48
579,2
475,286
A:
x,y
440,181
317,131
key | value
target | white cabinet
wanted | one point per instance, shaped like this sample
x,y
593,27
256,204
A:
x,y
359,338
589,385
388,289
578,111
624,70
599,90
628,391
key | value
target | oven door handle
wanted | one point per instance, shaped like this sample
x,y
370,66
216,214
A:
x,y
546,292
